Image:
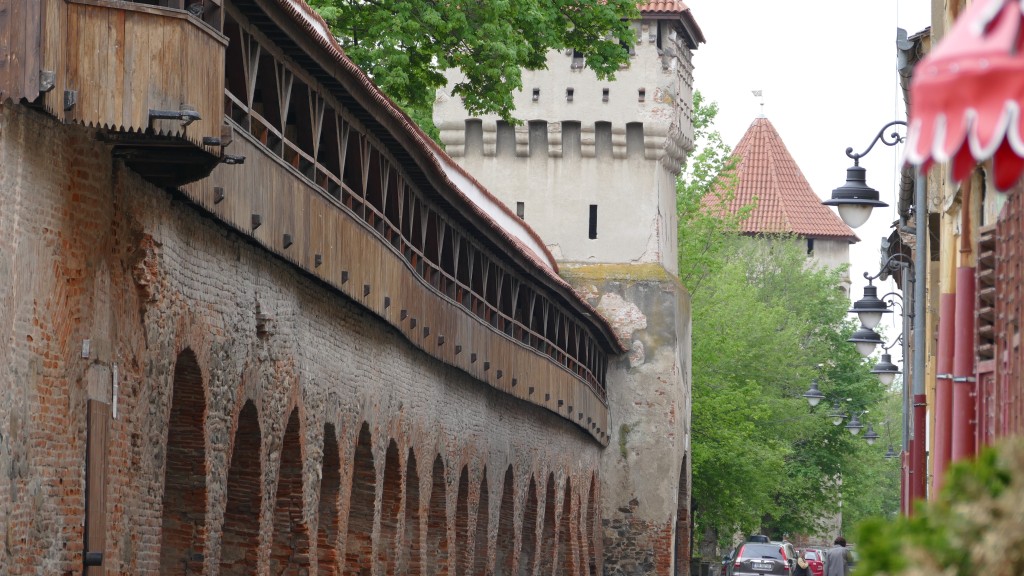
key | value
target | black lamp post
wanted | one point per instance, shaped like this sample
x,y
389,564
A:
x,y
855,199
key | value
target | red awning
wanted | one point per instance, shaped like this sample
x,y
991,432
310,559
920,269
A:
x,y
967,93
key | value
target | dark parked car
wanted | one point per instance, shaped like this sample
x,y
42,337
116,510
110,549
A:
x,y
760,559
727,561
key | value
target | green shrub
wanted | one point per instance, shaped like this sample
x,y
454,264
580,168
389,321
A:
x,y
975,526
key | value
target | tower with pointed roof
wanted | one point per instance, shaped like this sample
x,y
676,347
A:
x,y
592,168
769,179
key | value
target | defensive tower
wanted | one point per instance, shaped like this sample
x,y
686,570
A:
x,y
592,168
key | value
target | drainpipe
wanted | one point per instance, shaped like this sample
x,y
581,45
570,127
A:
x,y
943,430
919,475
964,382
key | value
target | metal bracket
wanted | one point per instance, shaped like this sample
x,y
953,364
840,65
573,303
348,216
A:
x,y
233,159
185,114
968,379
70,99
47,80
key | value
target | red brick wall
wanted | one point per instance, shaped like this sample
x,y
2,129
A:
x,y
204,327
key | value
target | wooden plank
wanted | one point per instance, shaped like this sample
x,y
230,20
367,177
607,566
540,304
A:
x,y
97,432
32,48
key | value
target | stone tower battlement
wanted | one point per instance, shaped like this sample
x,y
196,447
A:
x,y
647,106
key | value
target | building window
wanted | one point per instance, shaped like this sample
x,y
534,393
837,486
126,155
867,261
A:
x,y
474,138
571,140
603,139
810,246
538,138
635,139
593,222
506,139
577,60
520,210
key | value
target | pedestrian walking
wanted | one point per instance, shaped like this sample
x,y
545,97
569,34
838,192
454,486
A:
x,y
802,567
837,559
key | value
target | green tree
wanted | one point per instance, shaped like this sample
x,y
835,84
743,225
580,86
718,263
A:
x,y
407,45
763,318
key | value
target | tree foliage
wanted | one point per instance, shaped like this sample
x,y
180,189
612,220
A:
x,y
764,318
972,527
407,45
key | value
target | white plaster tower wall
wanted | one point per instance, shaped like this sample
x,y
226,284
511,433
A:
x,y
616,145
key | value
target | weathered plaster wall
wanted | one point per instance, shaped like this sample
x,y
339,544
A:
x,y
168,298
645,472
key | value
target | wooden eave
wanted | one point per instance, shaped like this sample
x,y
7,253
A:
x,y
410,148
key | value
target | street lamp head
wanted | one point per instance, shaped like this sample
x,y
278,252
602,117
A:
x,y
890,453
836,414
813,395
865,339
854,426
855,198
870,308
886,370
871,436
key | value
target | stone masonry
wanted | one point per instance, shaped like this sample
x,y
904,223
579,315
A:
x,y
262,422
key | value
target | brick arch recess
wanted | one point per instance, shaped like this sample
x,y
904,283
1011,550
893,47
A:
x,y
593,523
391,501
437,522
461,547
290,552
183,533
240,539
528,548
479,565
565,559
413,545
358,542
548,541
330,489
504,546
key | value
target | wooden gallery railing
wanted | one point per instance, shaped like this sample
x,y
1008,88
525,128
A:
x,y
323,192
132,67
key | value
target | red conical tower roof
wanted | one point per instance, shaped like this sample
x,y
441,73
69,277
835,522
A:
x,y
785,202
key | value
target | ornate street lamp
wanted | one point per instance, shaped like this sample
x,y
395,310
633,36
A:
x,y
865,339
855,199
869,308
871,436
890,453
837,414
855,426
813,395
885,369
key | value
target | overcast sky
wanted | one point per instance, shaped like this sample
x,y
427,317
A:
x,y
827,72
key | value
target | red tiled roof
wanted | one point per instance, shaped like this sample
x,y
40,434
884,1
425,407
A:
x,y
664,6
675,8
785,201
